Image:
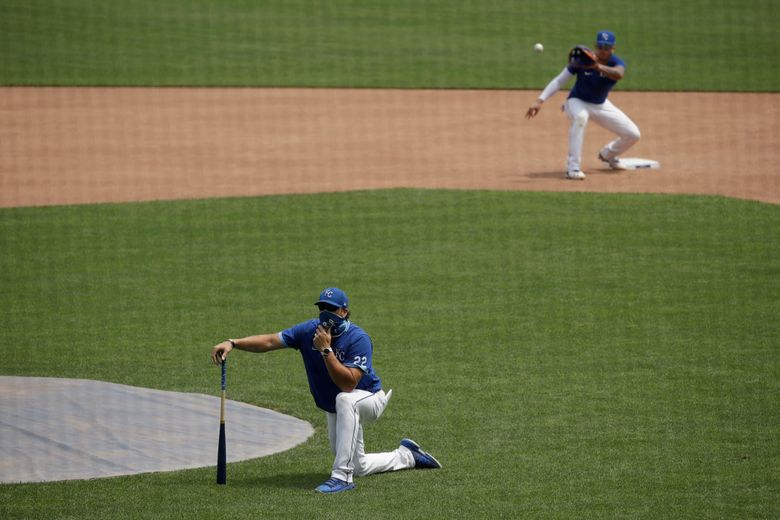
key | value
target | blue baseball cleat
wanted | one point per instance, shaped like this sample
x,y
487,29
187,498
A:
x,y
422,459
334,485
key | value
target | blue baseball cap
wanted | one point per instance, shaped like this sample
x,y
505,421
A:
x,y
333,296
605,38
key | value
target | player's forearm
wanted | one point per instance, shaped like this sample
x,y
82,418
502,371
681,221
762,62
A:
x,y
557,83
258,343
342,376
614,73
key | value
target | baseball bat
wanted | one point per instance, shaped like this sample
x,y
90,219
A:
x,y
222,449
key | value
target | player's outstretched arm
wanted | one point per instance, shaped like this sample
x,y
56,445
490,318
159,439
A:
x,y
554,86
259,343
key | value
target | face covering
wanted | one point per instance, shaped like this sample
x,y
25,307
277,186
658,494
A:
x,y
333,322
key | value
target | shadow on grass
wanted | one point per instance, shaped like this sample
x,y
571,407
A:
x,y
284,481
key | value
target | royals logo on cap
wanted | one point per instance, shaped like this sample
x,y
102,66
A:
x,y
605,38
334,296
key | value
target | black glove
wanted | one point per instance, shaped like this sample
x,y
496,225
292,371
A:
x,y
580,57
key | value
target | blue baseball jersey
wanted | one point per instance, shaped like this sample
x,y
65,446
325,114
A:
x,y
353,348
591,86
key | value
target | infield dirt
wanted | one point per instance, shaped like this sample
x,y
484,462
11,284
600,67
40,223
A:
x,y
87,145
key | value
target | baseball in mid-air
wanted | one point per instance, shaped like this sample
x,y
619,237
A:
x,y
538,47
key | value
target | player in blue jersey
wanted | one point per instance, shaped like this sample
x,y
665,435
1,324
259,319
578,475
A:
x,y
338,358
588,100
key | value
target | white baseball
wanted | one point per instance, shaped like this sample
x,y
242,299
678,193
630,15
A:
x,y
538,47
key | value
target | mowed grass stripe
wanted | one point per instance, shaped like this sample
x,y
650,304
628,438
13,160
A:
x,y
668,45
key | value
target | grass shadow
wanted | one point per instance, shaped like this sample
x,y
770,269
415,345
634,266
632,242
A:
x,y
284,481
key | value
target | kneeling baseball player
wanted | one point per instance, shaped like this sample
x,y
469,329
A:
x,y
337,356
596,74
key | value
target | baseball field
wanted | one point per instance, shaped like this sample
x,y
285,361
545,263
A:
x,y
603,349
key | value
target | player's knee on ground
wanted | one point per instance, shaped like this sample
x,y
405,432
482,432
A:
x,y
360,467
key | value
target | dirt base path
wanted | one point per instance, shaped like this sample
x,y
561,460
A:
x,y
85,145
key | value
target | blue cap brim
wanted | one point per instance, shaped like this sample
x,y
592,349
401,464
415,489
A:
x,y
330,302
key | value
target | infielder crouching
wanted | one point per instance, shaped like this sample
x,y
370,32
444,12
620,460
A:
x,y
588,100
337,356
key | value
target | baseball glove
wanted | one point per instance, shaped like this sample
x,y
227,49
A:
x,y
580,57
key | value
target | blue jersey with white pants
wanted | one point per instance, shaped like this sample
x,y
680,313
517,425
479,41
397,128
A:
x,y
591,86
347,411
353,348
588,100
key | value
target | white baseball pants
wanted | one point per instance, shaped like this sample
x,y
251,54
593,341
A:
x,y
605,115
345,431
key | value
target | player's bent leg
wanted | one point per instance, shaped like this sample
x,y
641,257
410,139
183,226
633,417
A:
x,y
613,119
347,431
340,483
369,407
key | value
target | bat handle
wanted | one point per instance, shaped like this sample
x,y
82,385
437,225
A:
x,y
224,374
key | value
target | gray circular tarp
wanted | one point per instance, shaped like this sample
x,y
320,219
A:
x,y
63,429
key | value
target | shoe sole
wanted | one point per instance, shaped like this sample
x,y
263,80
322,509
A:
x,y
567,176
413,446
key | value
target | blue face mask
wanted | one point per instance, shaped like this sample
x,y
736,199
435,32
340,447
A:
x,y
334,323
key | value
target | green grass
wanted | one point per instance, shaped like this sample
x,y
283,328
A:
x,y
669,45
563,355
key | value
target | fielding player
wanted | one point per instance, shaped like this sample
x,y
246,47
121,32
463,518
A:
x,y
337,356
588,100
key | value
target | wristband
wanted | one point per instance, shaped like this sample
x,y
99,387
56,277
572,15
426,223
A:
x,y
232,343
